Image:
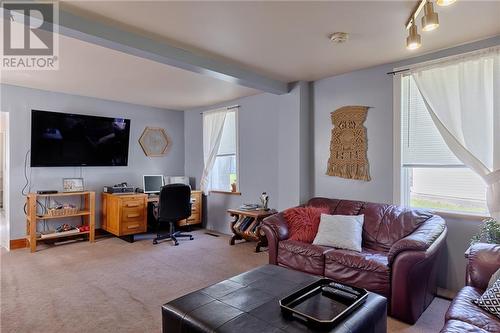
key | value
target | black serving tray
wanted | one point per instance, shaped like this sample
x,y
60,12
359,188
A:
x,y
317,310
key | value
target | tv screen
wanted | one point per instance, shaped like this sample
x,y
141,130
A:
x,y
62,139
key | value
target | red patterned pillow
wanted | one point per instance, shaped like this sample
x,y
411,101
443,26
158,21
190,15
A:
x,y
303,222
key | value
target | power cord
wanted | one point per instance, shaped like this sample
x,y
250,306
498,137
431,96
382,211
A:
x,y
27,185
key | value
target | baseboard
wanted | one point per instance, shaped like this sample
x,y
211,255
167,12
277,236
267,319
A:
x,y
22,243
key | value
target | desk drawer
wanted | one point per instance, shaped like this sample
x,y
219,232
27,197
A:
x,y
133,227
195,209
194,217
133,203
133,214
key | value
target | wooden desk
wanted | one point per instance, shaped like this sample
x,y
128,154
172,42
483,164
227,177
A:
x,y
196,209
251,230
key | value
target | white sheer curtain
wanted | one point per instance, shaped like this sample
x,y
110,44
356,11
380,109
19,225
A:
x,y
213,125
462,95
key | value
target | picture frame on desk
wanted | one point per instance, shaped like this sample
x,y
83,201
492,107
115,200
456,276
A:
x,y
73,185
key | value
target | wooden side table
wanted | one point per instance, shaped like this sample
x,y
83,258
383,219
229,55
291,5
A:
x,y
246,225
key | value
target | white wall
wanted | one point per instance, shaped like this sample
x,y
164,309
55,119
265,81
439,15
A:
x,y
19,102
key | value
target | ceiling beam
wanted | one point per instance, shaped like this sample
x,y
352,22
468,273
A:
x,y
98,33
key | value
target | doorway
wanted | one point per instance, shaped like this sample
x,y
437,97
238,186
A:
x,y
4,180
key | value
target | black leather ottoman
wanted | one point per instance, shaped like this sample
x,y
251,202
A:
x,y
249,303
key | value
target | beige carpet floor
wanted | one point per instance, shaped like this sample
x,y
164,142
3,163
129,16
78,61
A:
x,y
115,286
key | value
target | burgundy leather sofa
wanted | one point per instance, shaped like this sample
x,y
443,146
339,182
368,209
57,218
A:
x,y
398,260
463,315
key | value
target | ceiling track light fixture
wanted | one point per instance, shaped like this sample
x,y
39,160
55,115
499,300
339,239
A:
x,y
413,41
430,21
444,3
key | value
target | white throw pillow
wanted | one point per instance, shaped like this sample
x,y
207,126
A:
x,y
340,231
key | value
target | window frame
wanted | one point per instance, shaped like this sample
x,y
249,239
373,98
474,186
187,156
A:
x,y
237,155
401,179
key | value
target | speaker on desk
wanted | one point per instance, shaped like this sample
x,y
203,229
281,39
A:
x,y
178,180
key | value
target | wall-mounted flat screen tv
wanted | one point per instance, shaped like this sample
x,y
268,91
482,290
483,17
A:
x,y
63,139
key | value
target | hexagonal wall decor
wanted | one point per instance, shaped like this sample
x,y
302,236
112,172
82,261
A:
x,y
154,141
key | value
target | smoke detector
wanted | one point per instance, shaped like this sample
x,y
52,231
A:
x,y
339,37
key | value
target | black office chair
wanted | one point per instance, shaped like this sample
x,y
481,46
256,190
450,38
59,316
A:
x,y
173,205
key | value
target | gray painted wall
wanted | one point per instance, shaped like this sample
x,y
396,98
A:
x,y
269,147
370,87
19,102
373,87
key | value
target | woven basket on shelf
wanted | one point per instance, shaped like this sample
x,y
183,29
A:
x,y
62,211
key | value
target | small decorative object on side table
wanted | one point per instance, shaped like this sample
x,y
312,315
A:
x,y
246,225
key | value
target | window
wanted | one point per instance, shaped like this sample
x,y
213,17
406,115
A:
x,y
431,176
224,174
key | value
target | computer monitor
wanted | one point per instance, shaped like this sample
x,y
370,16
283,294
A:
x,y
152,183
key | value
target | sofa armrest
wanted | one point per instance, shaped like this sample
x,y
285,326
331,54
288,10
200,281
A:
x,y
275,228
483,261
414,276
420,240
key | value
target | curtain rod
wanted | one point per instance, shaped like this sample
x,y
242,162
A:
x,y
447,59
227,108
398,71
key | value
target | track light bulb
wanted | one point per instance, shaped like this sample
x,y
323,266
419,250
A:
x,y
413,41
430,20
444,3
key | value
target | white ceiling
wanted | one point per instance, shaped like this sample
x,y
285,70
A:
x,y
91,70
283,40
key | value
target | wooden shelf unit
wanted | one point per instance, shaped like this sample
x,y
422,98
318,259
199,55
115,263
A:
x,y
87,212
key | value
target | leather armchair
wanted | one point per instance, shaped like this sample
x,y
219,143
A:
x,y
399,257
483,261
463,316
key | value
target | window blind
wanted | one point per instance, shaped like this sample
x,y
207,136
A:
x,y
422,144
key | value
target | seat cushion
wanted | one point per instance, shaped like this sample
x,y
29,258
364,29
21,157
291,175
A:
x,y
367,269
457,326
463,309
302,256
